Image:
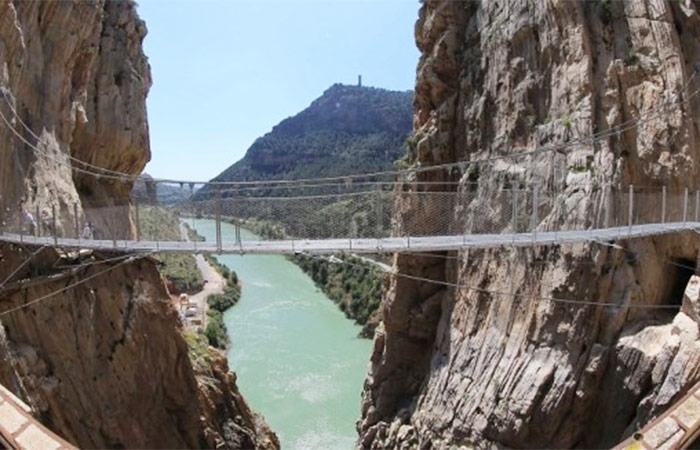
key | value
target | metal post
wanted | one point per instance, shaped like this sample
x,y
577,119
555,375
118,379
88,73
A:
x,y
379,210
53,225
114,229
515,210
630,214
76,221
236,215
534,214
663,204
37,228
21,224
685,206
218,221
137,217
3,212
608,200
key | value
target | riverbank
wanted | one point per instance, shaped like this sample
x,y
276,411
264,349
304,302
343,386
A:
x,y
353,283
298,358
222,291
195,311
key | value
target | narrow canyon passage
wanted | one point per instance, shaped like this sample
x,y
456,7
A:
x,y
298,358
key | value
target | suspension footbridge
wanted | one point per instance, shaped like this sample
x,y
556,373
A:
x,y
546,196
382,245
368,219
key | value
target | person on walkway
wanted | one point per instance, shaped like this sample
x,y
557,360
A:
x,y
31,222
88,231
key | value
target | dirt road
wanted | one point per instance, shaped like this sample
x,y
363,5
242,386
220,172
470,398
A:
x,y
214,283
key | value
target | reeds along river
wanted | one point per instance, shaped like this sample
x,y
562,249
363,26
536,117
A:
x,y
298,359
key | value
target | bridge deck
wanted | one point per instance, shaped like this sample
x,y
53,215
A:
x,y
364,245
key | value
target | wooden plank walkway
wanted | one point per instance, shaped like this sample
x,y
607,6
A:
x,y
677,428
19,430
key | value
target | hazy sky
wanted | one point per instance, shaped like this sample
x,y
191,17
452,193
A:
x,y
226,71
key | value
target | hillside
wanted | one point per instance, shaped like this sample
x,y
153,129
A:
x,y
349,129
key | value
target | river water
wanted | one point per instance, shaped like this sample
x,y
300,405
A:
x,y
298,359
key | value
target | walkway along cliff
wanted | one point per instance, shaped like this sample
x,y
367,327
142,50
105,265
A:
x,y
455,367
101,359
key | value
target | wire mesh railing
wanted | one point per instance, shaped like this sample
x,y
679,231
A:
x,y
368,211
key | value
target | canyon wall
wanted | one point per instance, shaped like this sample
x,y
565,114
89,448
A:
x,y
92,344
74,82
465,365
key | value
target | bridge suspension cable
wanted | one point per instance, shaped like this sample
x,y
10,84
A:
x,y
458,286
123,260
99,172
22,265
377,221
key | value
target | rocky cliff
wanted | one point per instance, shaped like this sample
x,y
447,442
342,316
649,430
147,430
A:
x,y
452,366
77,78
93,344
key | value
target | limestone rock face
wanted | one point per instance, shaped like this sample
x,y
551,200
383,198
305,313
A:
x,y
103,363
504,364
227,420
74,81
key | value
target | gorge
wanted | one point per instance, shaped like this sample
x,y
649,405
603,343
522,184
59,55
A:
x,y
299,360
542,346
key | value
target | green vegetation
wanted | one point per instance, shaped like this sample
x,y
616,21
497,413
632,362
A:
x,y
355,285
231,295
229,275
567,121
348,130
216,329
357,216
192,234
605,9
182,272
156,222
218,303
632,59
199,351
580,168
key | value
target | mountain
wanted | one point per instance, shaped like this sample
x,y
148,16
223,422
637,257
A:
x,y
349,129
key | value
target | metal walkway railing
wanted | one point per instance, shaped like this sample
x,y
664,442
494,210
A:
x,y
384,245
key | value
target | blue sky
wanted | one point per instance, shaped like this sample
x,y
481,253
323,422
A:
x,y
226,71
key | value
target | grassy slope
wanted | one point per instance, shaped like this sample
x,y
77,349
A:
x,y
156,222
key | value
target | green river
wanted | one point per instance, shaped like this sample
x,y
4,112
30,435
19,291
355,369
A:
x,y
298,359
